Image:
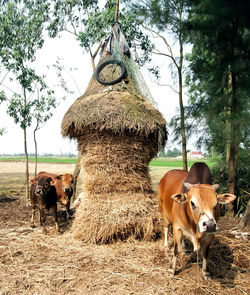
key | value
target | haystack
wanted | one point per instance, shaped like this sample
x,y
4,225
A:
x,y
118,131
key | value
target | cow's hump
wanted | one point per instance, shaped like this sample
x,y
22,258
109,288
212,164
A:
x,y
198,173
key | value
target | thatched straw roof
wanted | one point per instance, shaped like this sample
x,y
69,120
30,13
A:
x,y
113,110
119,108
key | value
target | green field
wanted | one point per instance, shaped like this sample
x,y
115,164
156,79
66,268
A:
x,y
62,160
157,162
173,162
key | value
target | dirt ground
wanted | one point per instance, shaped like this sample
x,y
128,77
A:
x,y
33,263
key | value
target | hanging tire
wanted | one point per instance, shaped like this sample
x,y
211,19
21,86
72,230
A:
x,y
111,61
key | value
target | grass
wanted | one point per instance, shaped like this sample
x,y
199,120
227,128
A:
x,y
177,163
58,160
157,162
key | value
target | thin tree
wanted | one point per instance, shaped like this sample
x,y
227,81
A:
x,y
42,112
45,103
22,24
163,18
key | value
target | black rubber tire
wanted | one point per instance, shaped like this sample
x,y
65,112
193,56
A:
x,y
111,61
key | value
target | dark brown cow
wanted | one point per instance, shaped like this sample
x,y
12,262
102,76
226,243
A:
x,y
43,196
64,188
189,202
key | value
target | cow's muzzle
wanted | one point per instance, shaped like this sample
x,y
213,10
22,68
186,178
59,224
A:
x,y
39,191
67,189
209,226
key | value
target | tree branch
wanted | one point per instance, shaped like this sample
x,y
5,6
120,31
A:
x,y
4,77
9,90
166,43
73,33
164,54
97,49
168,86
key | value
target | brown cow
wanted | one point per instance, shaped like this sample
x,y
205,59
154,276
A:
x,y
64,188
192,208
43,196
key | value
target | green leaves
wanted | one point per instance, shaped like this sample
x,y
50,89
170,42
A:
x,y
2,96
21,29
21,35
20,111
92,24
219,75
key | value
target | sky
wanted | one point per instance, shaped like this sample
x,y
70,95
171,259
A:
x,y
49,137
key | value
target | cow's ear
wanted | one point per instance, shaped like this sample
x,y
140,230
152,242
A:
x,y
215,186
32,180
76,178
59,177
225,198
179,198
188,185
52,182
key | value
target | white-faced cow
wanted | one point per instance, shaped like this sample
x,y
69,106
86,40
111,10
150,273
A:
x,y
43,196
64,188
189,202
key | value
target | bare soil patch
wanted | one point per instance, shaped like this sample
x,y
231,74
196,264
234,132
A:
x,y
33,263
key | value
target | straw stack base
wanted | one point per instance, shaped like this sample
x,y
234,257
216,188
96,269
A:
x,y
118,217
119,202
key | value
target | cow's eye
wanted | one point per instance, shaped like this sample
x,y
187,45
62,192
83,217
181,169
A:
x,y
193,205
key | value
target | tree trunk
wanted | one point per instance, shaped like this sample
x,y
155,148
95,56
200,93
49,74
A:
x,y
26,164
35,142
234,136
182,115
232,165
233,150
93,63
116,11
228,135
25,149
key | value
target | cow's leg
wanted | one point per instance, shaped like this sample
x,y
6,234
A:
x,y
42,219
166,226
67,210
32,223
178,236
54,214
165,236
205,245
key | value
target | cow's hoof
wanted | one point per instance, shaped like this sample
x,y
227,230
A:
x,y
207,276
